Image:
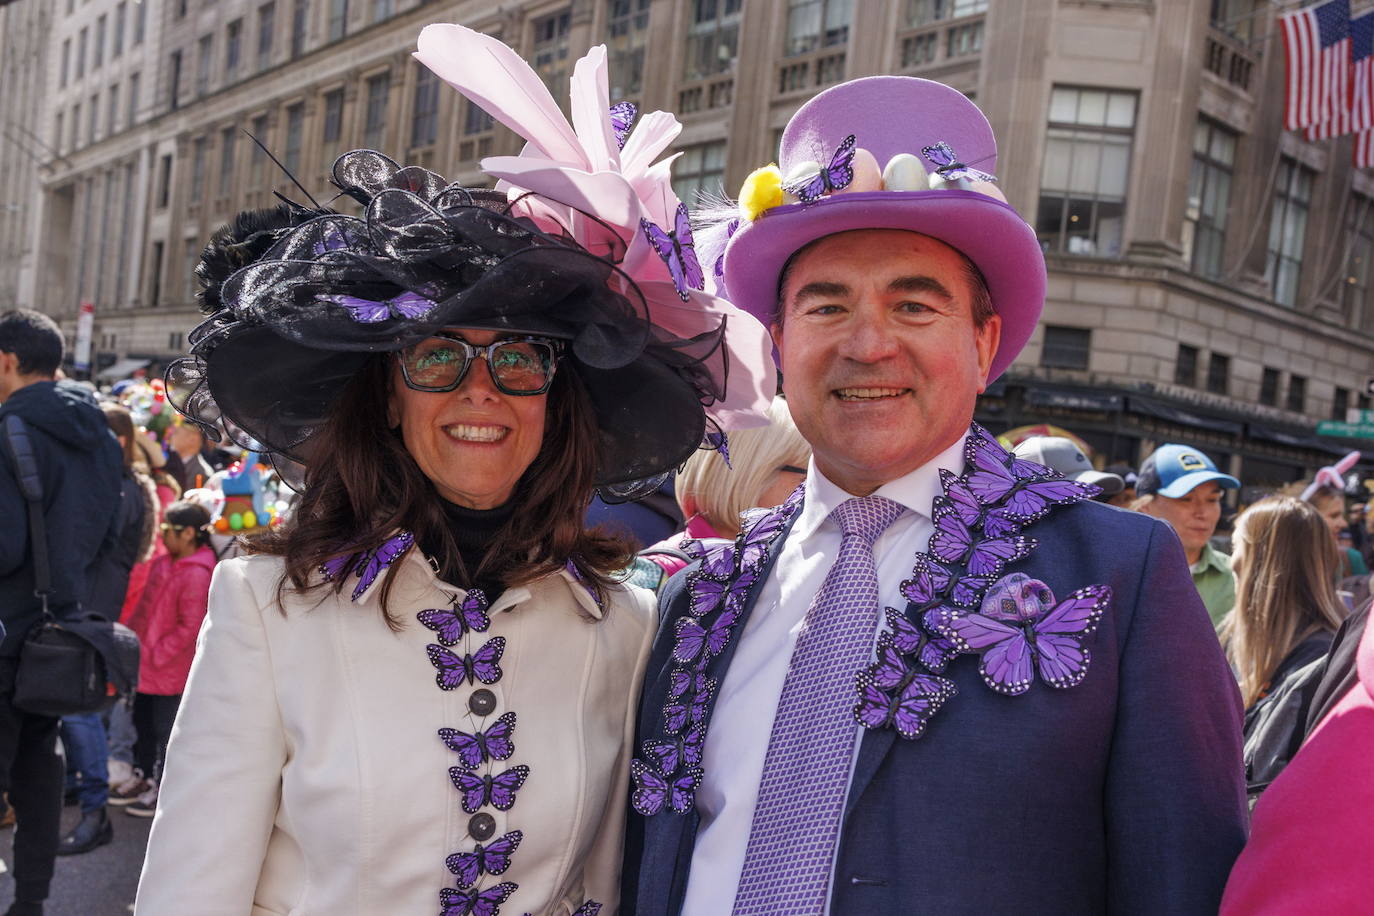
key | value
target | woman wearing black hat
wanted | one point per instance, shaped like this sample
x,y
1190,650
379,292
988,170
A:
x,y
418,694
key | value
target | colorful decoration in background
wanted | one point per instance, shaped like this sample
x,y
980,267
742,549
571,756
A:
x,y
1014,437
1358,114
249,501
147,403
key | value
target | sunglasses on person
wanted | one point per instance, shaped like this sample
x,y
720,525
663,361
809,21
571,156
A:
x,y
168,526
518,366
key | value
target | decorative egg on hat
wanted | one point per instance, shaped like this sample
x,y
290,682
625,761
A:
x,y
867,175
905,172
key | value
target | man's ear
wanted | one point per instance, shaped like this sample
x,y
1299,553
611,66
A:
x,y
986,339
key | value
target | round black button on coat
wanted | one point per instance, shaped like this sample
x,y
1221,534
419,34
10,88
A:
x,y
482,702
482,826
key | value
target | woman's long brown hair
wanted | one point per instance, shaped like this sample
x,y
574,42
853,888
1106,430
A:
x,y
1285,560
362,486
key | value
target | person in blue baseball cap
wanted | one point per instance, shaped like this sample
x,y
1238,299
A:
x,y
1182,486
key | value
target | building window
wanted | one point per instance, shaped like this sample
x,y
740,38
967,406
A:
x,y
333,117
627,31
424,120
300,15
295,127
475,119
700,169
81,54
1086,171
551,51
1340,403
374,131
1209,197
228,139
921,12
1219,374
117,44
918,49
94,112
1066,348
198,150
193,248
964,39
140,22
338,19
164,180
174,86
1185,367
66,63
112,110
1297,393
233,42
155,274
267,15
381,9
76,125
98,52
57,137
712,38
813,24
1288,230
1355,290
203,61
257,159
133,99
1269,387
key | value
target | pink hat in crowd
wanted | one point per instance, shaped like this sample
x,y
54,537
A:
x,y
885,152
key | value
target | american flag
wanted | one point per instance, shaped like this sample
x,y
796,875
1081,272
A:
x,y
1316,44
1364,149
1359,115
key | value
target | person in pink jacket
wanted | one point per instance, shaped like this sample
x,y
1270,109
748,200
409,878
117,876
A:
x,y
167,620
1312,836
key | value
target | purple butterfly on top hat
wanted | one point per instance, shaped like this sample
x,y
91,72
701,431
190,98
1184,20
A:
x,y
891,152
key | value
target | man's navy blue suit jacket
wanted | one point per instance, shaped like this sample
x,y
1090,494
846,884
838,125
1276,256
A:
x,y
1125,794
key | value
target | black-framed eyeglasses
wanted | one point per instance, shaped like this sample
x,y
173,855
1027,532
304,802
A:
x,y
518,366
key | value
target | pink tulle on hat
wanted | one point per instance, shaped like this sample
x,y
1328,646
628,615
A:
x,y
602,193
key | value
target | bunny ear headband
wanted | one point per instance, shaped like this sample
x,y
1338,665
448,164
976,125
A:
x,y
597,180
1331,476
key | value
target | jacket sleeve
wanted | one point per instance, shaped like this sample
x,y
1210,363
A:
x,y
1175,791
189,609
222,784
601,874
14,534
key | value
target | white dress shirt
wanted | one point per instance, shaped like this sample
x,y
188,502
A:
x,y
737,739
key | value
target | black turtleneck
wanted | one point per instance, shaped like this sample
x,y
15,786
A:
x,y
473,531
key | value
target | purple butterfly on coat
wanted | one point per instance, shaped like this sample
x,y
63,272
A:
x,y
589,908
452,623
482,665
1020,636
653,792
372,311
679,712
834,177
953,542
949,167
492,859
497,791
368,565
707,594
677,251
893,693
474,749
933,651
472,902
622,120
670,754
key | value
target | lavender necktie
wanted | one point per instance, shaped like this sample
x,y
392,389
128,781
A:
x,y
806,771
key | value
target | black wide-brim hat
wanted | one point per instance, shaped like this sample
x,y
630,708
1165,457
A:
x,y
300,322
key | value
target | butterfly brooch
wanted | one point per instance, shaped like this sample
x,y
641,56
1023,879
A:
x,y
622,120
654,792
891,692
373,311
677,251
472,902
948,166
480,791
492,859
834,177
368,564
452,624
454,670
480,746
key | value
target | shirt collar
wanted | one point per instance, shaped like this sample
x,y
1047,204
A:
x,y
914,491
1210,557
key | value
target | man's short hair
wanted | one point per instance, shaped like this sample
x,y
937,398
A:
x,y
979,297
34,338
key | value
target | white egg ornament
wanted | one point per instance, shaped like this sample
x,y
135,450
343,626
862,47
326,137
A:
x,y
800,173
905,172
867,175
988,188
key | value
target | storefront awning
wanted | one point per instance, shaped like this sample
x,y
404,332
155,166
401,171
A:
x,y
121,369
1186,418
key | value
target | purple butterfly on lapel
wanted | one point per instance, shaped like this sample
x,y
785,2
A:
x,y
337,567
933,651
907,707
959,498
677,251
482,665
653,792
493,744
680,680
373,563
1049,644
953,541
677,713
928,581
492,859
948,165
754,544
708,593
590,908
622,120
718,562
372,311
834,177
452,623
472,902
730,229
497,791
686,748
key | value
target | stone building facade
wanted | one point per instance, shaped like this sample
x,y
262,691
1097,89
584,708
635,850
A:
x,y
1209,272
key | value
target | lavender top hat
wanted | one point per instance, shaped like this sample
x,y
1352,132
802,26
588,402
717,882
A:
x,y
886,152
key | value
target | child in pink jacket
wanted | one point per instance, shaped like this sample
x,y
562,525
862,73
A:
x,y
167,620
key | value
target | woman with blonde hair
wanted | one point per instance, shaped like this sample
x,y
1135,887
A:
x,y
1286,609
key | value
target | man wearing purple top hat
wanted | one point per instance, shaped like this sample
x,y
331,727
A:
x,y
939,678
